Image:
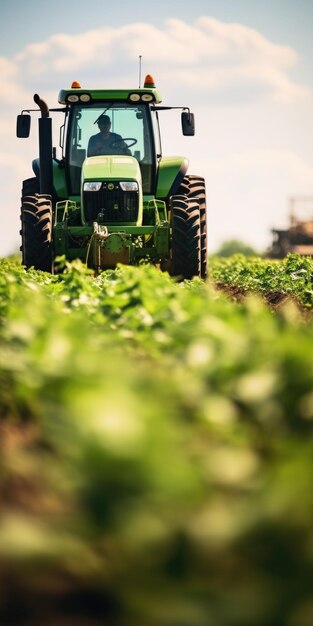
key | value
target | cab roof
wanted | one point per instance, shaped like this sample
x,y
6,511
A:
x,y
72,96
77,94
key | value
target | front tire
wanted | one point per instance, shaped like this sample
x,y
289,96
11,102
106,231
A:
x,y
36,221
185,248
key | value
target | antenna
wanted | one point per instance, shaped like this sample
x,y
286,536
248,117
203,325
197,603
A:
x,y
140,57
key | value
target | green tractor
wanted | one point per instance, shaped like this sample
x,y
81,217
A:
x,y
112,197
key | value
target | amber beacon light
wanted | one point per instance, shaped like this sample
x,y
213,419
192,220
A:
x,y
149,81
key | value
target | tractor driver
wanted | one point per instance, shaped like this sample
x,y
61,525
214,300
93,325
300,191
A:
x,y
106,142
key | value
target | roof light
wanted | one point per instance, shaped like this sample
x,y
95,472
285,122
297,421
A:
x,y
134,97
149,81
85,97
76,85
147,97
72,98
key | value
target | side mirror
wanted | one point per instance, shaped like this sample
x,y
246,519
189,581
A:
x,y
23,126
188,123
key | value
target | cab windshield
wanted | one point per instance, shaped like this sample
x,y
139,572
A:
x,y
130,132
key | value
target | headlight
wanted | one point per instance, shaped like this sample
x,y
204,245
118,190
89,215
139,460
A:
x,y
92,186
128,185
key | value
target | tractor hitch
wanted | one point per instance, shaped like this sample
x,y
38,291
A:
x,y
108,249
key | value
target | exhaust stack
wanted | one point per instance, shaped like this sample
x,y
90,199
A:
x,y
45,147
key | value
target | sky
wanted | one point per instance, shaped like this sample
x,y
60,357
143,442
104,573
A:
x,y
243,66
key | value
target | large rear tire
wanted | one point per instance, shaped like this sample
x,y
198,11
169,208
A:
x,y
194,188
36,220
30,187
185,247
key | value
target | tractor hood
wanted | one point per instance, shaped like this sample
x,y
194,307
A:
x,y
118,167
109,198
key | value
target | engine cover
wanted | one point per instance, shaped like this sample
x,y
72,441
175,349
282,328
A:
x,y
110,204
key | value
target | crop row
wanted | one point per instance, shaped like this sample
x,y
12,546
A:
x,y
292,277
156,453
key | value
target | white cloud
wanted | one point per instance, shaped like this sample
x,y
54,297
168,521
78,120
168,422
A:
x,y
11,89
208,56
239,40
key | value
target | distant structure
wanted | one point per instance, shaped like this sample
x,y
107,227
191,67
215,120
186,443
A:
x,y
298,238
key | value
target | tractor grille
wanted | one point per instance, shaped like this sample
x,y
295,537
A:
x,y
114,204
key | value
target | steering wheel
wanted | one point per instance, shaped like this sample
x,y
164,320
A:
x,y
116,144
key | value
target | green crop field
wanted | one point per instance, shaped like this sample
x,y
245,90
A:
x,y
156,450
276,281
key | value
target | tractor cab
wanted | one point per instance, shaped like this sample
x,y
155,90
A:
x,y
133,128
130,134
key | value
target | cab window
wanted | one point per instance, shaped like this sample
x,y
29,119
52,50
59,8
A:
x,y
130,122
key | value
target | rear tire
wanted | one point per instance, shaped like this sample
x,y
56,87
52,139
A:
x,y
30,187
185,257
194,187
36,219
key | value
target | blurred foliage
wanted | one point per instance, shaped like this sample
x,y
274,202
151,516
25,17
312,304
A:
x,y
235,246
156,452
